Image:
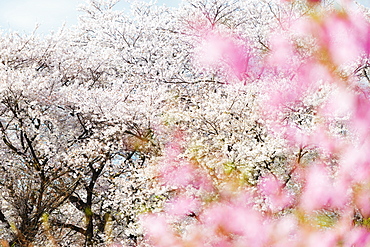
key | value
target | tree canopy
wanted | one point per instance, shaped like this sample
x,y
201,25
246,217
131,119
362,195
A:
x,y
218,123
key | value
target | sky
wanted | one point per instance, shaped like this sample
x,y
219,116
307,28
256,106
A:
x,y
365,2
22,15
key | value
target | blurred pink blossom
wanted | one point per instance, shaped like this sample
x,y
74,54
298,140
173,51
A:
x,y
238,220
276,193
282,52
182,206
359,237
322,191
326,238
159,231
217,49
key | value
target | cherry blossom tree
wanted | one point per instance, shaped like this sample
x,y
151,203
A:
x,y
75,132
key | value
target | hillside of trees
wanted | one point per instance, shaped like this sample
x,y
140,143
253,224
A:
x,y
226,123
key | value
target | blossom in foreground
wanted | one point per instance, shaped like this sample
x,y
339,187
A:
x,y
323,200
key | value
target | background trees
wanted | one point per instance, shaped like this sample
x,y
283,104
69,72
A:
x,y
178,111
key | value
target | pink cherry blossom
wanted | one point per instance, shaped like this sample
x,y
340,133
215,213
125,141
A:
x,y
275,192
321,191
182,206
225,51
